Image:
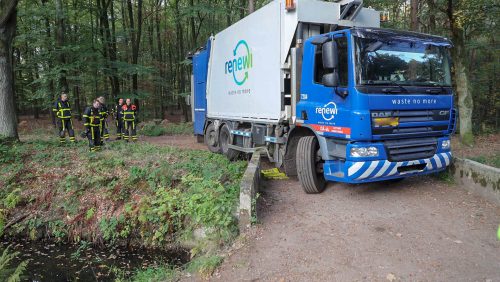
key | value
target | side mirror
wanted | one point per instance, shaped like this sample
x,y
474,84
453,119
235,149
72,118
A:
x,y
330,79
330,55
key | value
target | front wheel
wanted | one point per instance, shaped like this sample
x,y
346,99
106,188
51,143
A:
x,y
310,165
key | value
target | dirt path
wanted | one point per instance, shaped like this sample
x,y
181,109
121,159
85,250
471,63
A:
x,y
416,230
180,141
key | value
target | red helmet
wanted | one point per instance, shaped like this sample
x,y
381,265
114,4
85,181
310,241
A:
x,y
134,107
124,107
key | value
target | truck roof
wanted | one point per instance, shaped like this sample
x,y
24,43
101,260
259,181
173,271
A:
x,y
391,34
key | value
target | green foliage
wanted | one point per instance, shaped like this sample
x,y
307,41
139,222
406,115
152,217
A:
x,y
11,274
205,265
155,274
153,129
491,160
445,176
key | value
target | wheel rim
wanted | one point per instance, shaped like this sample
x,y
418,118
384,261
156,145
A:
x,y
224,140
211,138
318,161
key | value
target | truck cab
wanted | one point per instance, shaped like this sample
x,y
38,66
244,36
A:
x,y
379,102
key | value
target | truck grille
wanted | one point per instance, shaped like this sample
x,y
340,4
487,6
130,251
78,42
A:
x,y
410,149
412,123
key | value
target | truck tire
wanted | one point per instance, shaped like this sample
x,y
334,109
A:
x,y
309,170
210,140
224,137
290,160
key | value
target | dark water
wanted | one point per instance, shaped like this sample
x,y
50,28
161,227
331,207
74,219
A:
x,y
83,262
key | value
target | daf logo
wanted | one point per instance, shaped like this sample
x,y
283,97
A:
x,y
381,114
328,111
443,113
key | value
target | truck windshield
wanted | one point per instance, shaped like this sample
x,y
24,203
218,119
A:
x,y
401,63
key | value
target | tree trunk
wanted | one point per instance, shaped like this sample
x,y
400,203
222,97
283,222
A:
x,y
180,45
60,32
251,6
136,38
8,118
432,15
465,103
414,15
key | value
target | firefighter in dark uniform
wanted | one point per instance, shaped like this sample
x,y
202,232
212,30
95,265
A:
x,y
62,112
103,110
119,119
129,120
92,123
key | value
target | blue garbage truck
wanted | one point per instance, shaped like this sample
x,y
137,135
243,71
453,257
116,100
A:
x,y
326,94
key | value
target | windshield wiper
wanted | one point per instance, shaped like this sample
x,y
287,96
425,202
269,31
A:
x,y
401,87
436,91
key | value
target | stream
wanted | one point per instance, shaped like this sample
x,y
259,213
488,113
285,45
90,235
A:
x,y
84,262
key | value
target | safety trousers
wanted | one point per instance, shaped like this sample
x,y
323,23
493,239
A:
x,y
94,136
104,130
63,126
119,129
130,131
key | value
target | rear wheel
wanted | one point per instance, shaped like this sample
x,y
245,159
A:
x,y
310,165
224,140
211,140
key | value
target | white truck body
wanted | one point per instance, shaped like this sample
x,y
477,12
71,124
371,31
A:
x,y
245,74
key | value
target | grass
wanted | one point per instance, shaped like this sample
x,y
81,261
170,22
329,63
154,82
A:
x,y
491,160
153,129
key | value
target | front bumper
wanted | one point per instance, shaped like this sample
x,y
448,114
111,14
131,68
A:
x,y
379,170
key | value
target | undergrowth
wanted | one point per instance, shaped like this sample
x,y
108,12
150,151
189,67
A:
x,y
137,193
491,160
153,129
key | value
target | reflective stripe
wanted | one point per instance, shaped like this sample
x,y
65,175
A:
x,y
383,169
438,162
354,168
370,169
446,158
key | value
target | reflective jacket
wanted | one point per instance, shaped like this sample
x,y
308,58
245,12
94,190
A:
x,y
129,112
119,112
62,109
91,117
103,111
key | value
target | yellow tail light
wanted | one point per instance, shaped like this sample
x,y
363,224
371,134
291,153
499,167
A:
x,y
290,5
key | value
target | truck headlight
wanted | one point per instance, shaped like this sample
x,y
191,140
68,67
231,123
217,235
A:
x,y
445,144
364,152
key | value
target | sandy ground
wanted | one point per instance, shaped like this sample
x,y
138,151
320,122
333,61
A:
x,y
419,229
181,141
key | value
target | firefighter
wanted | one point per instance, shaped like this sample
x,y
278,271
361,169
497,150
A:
x,y
129,120
62,112
103,111
92,123
119,119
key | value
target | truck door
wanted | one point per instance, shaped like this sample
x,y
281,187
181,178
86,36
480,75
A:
x,y
325,108
200,69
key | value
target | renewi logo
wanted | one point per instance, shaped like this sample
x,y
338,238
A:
x,y
240,64
328,111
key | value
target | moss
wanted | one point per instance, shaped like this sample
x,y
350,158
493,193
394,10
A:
x,y
467,138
